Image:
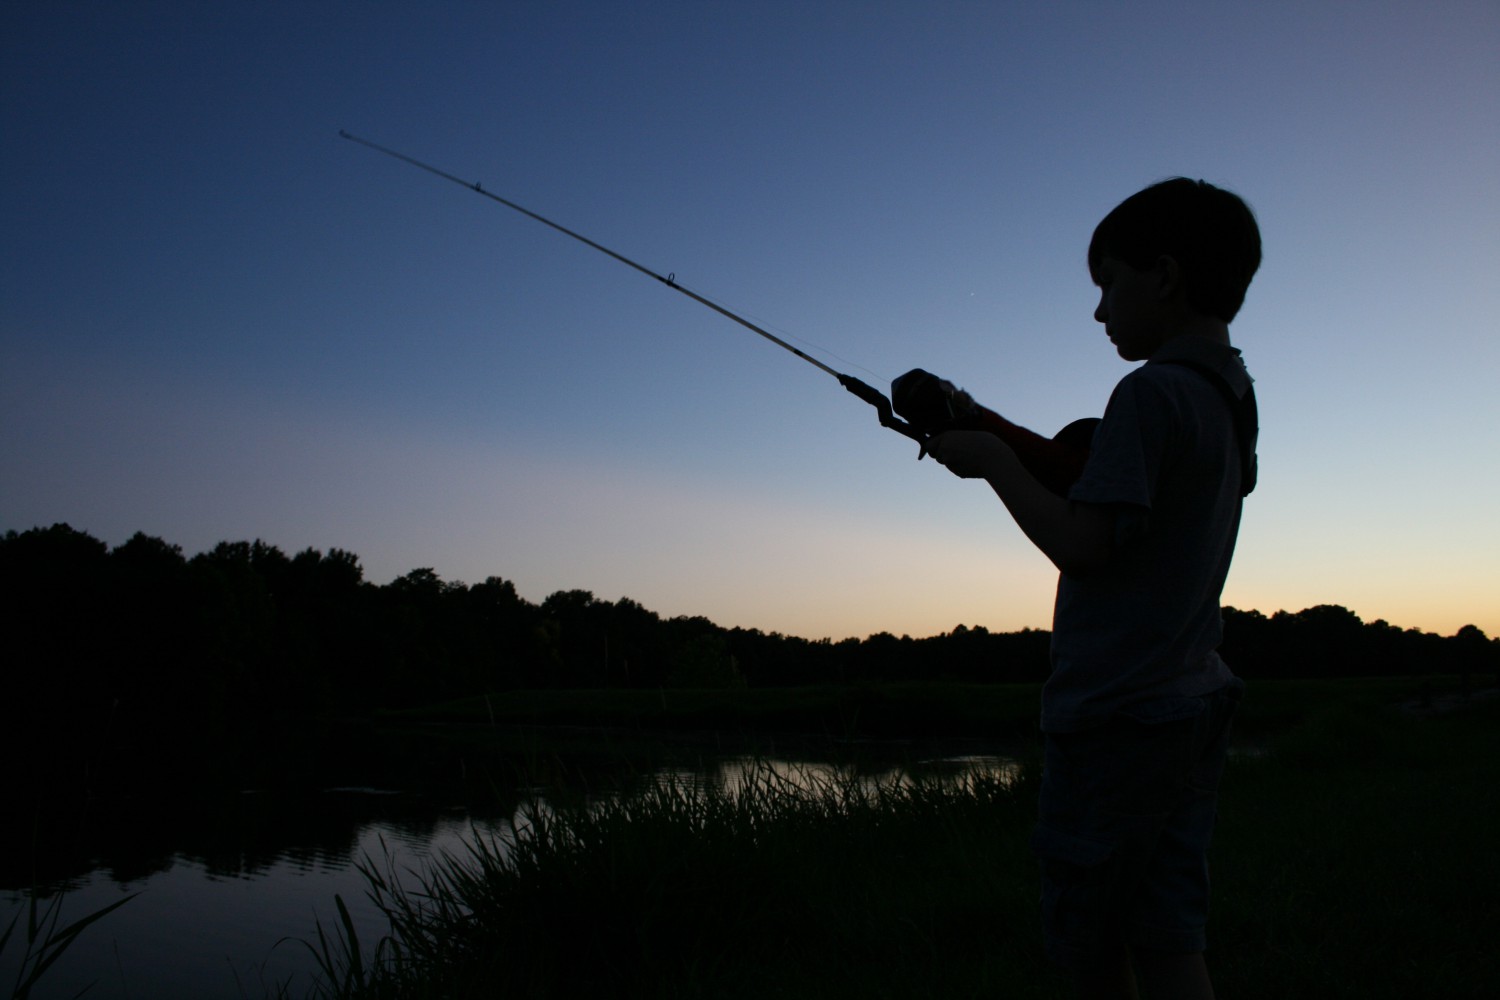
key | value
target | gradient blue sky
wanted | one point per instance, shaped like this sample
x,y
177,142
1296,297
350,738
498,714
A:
x,y
218,320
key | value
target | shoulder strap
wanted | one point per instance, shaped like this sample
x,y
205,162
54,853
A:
x,y
1246,418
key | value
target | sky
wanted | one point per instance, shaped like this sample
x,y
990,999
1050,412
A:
x,y
221,321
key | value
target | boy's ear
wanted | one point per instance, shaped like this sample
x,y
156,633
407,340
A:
x,y
1169,276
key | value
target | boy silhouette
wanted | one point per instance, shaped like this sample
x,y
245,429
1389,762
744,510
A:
x,y
1136,709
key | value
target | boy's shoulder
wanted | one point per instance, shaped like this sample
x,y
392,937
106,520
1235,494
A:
x,y
1214,361
1221,367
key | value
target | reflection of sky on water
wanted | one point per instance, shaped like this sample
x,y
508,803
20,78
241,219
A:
x,y
225,928
195,933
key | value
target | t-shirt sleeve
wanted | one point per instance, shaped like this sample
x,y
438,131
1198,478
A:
x,y
1125,461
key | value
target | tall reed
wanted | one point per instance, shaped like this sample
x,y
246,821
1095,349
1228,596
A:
x,y
45,937
834,882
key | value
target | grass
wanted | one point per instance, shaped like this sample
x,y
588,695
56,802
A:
x,y
1360,862
1354,859
784,889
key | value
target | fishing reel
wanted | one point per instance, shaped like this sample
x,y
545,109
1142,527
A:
x,y
932,405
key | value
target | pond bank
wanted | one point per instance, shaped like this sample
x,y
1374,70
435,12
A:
x,y
1353,860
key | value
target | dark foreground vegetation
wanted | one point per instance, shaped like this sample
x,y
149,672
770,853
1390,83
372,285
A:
x,y
1354,859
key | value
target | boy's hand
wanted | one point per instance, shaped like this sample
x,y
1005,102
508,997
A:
x,y
1077,537
969,454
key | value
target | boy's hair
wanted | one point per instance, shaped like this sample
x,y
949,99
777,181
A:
x,y
1210,232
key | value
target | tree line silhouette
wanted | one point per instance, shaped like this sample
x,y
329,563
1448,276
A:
x,y
139,633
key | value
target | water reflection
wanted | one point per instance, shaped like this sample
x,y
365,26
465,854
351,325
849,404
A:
x,y
227,923
229,885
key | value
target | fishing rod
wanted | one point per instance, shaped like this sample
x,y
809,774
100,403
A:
x,y
930,404
865,392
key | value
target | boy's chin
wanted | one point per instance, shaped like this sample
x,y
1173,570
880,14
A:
x,y
1133,349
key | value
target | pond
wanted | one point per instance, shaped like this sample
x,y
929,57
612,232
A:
x,y
228,889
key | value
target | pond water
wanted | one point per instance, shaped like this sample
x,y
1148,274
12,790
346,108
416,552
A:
x,y
229,889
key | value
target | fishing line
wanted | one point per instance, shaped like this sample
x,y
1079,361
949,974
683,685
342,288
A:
x,y
810,345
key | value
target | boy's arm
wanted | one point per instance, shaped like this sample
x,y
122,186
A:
x,y
1076,536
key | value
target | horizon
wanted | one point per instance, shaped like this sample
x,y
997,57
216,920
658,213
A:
x,y
538,601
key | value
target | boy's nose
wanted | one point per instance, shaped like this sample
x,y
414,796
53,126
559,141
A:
x,y
1100,313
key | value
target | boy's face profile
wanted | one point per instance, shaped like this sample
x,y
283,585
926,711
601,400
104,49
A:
x,y
1133,306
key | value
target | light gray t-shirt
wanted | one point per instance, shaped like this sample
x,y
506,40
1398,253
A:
x,y
1140,636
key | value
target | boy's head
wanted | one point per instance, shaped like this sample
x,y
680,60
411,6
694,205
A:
x,y
1210,232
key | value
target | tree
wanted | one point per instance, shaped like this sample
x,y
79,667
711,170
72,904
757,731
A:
x,y
54,589
1475,654
702,660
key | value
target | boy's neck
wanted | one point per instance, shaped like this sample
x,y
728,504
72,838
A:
x,y
1210,328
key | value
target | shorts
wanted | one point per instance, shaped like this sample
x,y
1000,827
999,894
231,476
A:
x,y
1126,815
